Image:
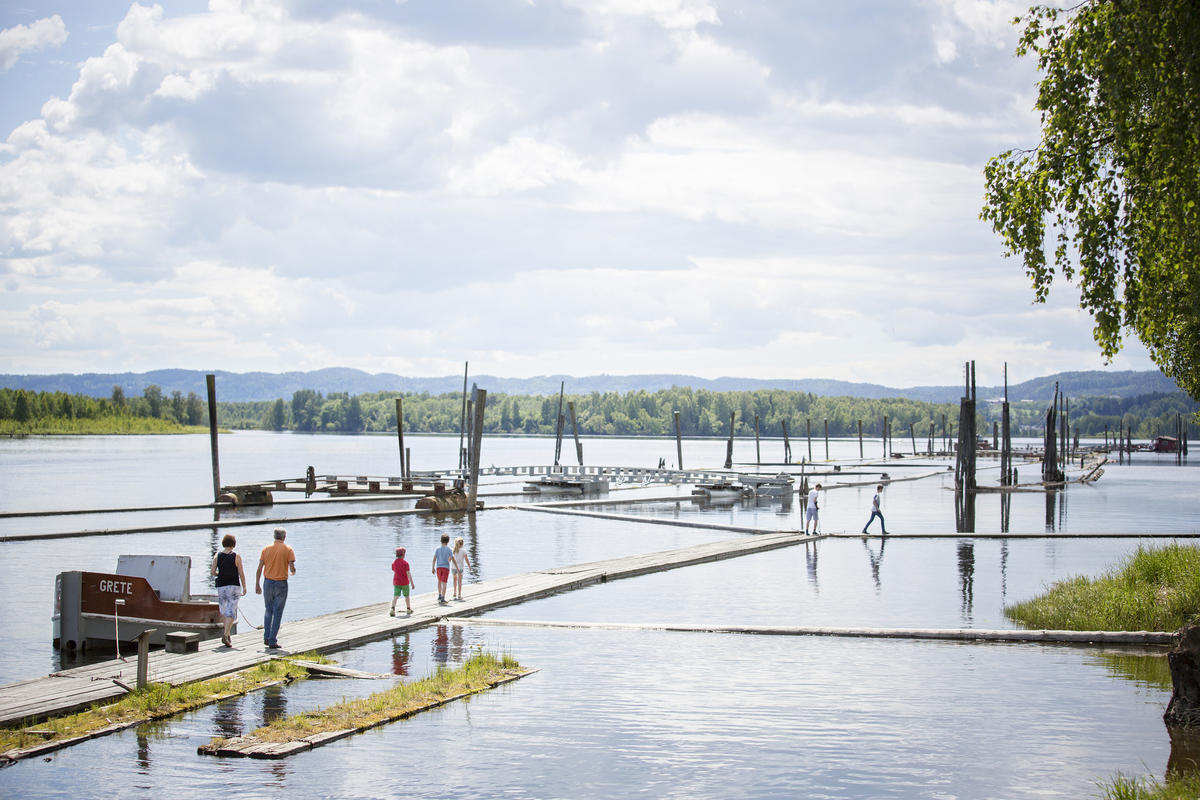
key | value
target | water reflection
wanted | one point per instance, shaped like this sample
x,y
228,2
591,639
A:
x,y
964,512
227,718
1185,753
1005,509
966,578
143,751
875,559
448,644
810,561
273,703
401,654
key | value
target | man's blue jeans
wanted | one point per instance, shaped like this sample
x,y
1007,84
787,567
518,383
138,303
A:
x,y
274,599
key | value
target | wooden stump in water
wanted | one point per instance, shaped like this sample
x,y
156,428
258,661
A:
x,y
1184,709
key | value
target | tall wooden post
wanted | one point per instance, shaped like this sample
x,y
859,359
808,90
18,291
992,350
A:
x,y
912,434
757,443
885,435
575,433
678,442
729,447
462,422
787,443
860,445
808,434
826,440
476,447
211,382
558,433
931,439
400,437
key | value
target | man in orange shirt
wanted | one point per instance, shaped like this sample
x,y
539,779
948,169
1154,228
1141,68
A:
x,y
274,564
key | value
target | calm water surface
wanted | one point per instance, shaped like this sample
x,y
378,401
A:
x,y
615,713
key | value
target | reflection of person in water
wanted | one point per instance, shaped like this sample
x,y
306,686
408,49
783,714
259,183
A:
x,y
441,644
400,654
875,560
810,559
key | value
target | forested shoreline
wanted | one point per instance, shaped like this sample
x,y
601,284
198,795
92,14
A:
x,y
638,413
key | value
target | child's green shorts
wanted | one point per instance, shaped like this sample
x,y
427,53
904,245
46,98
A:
x,y
401,591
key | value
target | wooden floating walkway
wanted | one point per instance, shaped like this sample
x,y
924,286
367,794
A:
x,y
954,634
72,689
251,747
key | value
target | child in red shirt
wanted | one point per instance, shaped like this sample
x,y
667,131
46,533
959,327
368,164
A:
x,y
402,581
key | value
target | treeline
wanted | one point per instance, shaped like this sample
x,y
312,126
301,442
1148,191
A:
x,y
22,411
701,413
638,413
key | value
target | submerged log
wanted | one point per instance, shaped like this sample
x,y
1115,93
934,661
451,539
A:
x,y
1184,709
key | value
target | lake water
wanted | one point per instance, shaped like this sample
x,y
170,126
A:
x,y
615,713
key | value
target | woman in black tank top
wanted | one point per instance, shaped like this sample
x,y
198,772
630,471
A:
x,y
227,569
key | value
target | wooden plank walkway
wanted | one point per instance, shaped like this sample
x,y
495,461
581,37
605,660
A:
x,y
1164,638
73,689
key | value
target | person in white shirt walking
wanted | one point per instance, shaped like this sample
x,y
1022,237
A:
x,y
812,513
875,512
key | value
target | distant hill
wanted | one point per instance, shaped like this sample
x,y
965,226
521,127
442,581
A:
x,y
235,386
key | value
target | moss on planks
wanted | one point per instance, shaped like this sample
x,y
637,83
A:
x,y
155,701
310,729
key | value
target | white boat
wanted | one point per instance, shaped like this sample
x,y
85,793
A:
x,y
719,490
565,485
780,485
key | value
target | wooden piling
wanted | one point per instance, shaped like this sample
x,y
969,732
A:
x,y
808,435
575,433
860,444
211,382
559,426
912,434
729,447
826,440
757,444
400,437
476,446
884,435
678,443
787,443
462,421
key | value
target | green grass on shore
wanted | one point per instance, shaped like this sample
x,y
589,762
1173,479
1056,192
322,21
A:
x,y
100,426
1176,787
1155,589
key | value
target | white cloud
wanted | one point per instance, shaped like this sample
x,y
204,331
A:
x,y
21,39
671,14
657,188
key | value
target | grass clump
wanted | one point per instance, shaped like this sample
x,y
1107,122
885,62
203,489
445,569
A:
x,y
155,701
1176,787
1155,589
479,672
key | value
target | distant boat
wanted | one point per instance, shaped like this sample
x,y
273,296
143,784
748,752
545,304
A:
x,y
780,485
720,490
565,485
146,593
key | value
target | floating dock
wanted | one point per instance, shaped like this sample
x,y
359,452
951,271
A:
x,y
73,689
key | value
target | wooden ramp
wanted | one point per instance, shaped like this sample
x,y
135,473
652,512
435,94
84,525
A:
x,y
73,689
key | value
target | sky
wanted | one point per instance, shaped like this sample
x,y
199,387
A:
x,y
765,188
